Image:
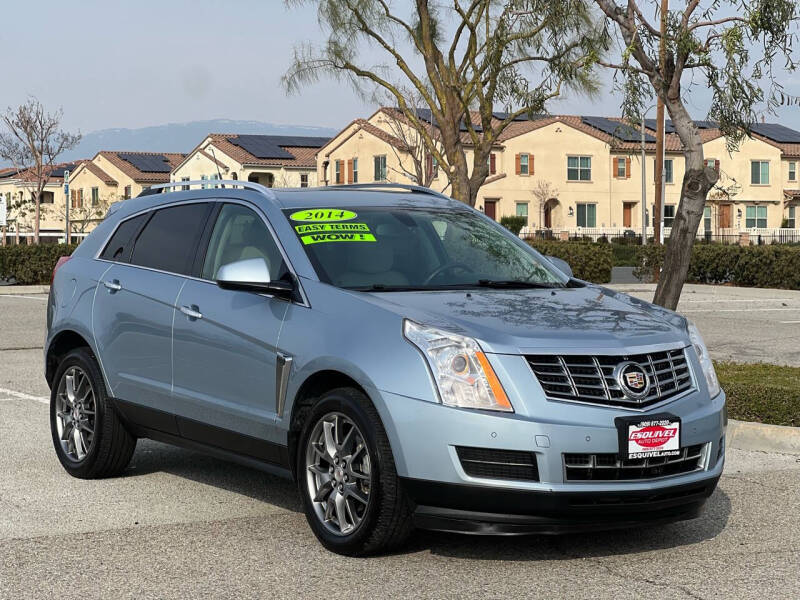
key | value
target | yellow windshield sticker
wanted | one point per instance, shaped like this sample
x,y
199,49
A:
x,y
320,227
321,215
319,238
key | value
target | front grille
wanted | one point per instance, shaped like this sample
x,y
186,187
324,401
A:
x,y
498,464
609,467
587,378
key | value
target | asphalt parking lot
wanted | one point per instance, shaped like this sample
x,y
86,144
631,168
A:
x,y
180,524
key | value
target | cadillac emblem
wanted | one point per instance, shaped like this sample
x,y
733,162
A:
x,y
632,380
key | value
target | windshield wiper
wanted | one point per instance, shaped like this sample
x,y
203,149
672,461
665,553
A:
x,y
516,284
379,287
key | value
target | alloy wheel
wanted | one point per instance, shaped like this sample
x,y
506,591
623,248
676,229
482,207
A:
x,y
338,473
75,413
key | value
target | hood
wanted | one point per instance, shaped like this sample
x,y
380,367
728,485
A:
x,y
593,319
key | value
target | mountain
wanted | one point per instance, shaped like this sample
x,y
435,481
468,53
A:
x,y
178,137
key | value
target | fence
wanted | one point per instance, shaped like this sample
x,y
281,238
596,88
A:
x,y
45,237
626,235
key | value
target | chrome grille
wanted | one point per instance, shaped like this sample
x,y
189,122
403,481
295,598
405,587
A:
x,y
609,467
587,378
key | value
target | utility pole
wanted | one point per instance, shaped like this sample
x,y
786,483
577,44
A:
x,y
644,189
658,209
66,205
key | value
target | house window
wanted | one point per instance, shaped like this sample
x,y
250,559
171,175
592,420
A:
x,y
759,172
203,178
790,221
756,216
579,168
214,177
95,196
587,215
491,161
792,171
707,218
522,210
355,170
303,180
668,170
524,164
380,168
338,177
186,187
435,168
127,193
669,214
621,171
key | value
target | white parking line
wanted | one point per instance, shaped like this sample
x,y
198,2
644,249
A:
x,y
716,310
22,396
726,300
23,297
788,322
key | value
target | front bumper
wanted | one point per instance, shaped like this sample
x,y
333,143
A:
x,y
491,511
424,437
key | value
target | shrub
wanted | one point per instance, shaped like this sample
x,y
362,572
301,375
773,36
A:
x,y
589,261
761,392
31,265
513,223
753,266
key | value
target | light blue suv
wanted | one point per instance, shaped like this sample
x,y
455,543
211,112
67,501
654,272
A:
x,y
404,358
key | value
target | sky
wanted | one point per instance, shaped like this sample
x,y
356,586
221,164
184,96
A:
x,y
115,63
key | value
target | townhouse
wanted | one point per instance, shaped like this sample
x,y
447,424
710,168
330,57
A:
x,y
583,173
271,160
17,189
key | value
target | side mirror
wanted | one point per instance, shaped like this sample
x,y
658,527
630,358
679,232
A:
x,y
251,275
561,265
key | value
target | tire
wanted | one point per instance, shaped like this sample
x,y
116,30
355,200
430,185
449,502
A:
x,y
109,448
386,522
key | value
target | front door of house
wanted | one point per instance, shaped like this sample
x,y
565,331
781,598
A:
x,y
725,216
548,216
627,214
490,208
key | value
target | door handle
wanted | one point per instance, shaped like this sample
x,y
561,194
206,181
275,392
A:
x,y
112,286
192,312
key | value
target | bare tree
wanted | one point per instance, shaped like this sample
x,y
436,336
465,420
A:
x,y
543,191
34,139
730,47
83,213
476,55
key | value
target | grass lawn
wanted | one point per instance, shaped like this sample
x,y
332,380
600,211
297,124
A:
x,y
762,393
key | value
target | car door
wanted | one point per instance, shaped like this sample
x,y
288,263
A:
x,y
135,304
225,343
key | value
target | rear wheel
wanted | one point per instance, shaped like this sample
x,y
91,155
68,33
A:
x,y
352,496
88,436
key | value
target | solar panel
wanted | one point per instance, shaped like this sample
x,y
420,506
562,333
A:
x,y
668,126
777,133
523,117
621,131
147,163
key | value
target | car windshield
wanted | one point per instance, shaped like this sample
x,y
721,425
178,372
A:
x,y
385,249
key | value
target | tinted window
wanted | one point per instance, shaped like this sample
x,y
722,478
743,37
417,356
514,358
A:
x,y
120,244
240,234
169,240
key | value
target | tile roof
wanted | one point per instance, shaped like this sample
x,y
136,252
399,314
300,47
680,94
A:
x,y
173,158
99,173
303,157
28,175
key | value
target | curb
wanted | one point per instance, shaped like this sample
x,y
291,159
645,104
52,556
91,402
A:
x,y
745,435
22,290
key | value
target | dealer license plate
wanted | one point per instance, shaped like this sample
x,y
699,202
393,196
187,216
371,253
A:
x,y
653,438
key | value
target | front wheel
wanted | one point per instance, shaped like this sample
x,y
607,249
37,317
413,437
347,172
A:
x,y
350,489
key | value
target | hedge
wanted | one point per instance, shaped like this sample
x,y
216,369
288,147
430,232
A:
x,y
513,223
761,392
31,265
589,261
774,266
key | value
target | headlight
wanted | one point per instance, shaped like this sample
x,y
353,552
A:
x,y
460,368
705,360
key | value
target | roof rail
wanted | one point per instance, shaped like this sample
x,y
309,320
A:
x,y
223,183
386,187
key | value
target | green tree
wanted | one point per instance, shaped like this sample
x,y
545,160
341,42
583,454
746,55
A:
x,y
738,49
485,56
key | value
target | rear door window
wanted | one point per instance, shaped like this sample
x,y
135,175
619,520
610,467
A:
x,y
169,240
119,246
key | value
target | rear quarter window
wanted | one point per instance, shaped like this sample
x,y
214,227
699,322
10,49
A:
x,y
121,243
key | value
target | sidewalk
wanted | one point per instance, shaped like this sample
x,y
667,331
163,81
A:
x,y
23,290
